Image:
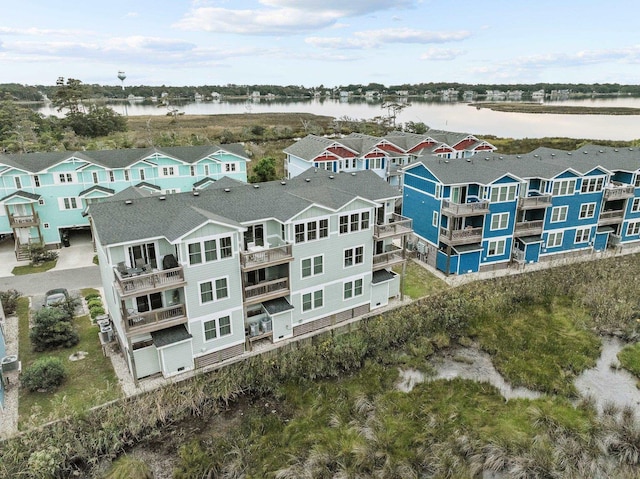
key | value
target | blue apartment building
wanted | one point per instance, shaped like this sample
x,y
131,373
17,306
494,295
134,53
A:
x,y
488,211
45,195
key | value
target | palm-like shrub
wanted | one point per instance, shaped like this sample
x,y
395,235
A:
x,y
52,330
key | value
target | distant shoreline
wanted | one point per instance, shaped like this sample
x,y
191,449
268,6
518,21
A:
x,y
557,110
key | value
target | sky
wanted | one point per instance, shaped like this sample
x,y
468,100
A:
x,y
319,42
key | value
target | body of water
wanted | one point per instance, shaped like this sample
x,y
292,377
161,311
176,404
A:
x,y
450,116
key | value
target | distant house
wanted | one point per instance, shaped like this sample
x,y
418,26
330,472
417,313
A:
x,y
44,194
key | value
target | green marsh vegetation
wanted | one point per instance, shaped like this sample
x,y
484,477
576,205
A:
x,y
329,406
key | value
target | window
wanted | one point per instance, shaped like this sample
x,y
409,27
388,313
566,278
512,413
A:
x,y
226,251
206,170
192,170
312,266
582,235
376,163
352,288
112,177
503,193
354,222
213,290
225,325
324,228
434,219
635,206
499,221
559,213
591,185
195,253
496,248
141,171
65,177
633,228
438,190
126,175
210,330
41,202
210,250
69,203
168,171
312,300
18,182
299,229
554,239
36,180
353,256
230,167
311,230
563,187
46,226
94,176
587,210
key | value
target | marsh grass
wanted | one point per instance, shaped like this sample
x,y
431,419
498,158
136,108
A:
x,y
629,359
419,282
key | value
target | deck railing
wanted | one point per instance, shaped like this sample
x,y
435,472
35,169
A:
x,y
465,209
467,235
133,320
266,288
618,191
135,283
529,227
24,221
541,201
397,225
388,258
257,258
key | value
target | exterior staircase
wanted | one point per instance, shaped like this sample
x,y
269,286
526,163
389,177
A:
x,y
22,253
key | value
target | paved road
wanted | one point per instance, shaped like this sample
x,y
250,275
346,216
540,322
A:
x,y
39,283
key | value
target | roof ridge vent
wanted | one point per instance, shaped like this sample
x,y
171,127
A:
x,y
353,173
256,186
307,180
331,177
227,190
128,202
283,182
162,198
569,153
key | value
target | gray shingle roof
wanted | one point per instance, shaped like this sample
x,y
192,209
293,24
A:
x,y
23,194
232,203
167,336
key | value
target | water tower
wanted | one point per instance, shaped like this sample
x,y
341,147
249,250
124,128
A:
x,y
122,76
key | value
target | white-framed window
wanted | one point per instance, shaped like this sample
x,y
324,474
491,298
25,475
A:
x,y
587,210
438,190
213,290
496,247
635,206
312,266
555,239
434,219
46,226
141,173
41,201
168,171
192,170
582,235
353,256
230,167
206,170
112,177
592,185
311,230
126,175
563,187
94,177
633,228
354,222
70,203
499,221
637,182
18,182
65,178
376,163
36,180
209,250
217,328
503,193
313,300
352,288
559,213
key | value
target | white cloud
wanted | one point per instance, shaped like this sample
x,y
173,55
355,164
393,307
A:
x,y
441,54
377,38
43,32
132,15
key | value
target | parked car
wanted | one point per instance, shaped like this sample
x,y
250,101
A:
x,y
55,297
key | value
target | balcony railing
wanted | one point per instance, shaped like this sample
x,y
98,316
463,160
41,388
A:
x,y
610,217
517,255
397,225
135,284
266,290
532,202
529,227
465,236
390,258
156,319
24,221
618,191
260,258
465,209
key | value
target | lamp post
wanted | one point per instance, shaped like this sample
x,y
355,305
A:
x,y
122,76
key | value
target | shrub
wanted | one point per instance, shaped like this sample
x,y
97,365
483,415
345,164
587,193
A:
x,y
96,311
9,301
96,302
91,296
52,330
45,374
128,467
39,254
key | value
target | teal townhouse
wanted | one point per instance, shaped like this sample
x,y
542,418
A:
x,y
382,155
43,195
195,278
486,212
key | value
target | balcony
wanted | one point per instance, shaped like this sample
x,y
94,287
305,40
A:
x,y
518,255
618,191
526,228
260,257
24,221
465,209
266,290
398,225
610,217
138,323
388,259
468,235
133,285
533,202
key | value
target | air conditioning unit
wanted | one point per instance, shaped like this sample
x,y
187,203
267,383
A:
x,y
9,363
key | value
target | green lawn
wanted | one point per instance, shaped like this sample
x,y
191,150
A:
x,y
630,358
28,269
419,282
90,382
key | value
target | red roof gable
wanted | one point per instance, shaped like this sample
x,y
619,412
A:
x,y
341,151
421,146
375,154
389,147
325,157
464,144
